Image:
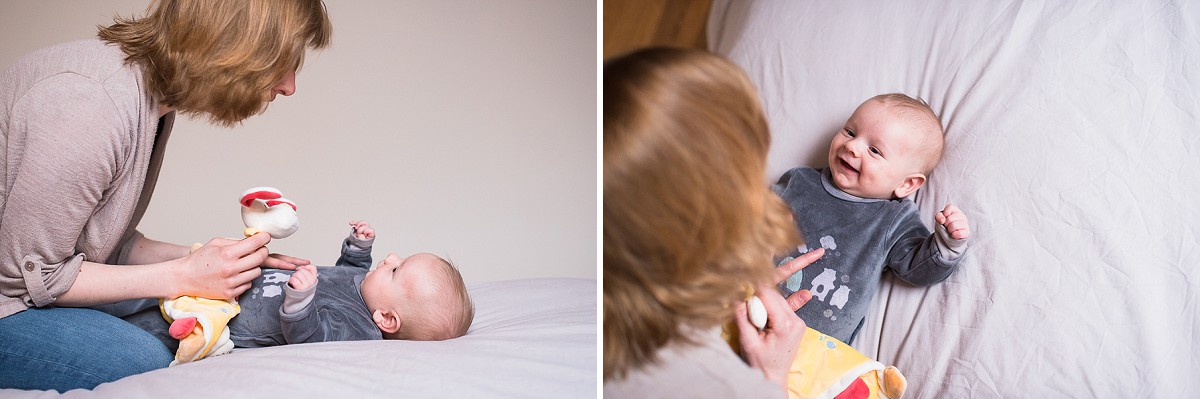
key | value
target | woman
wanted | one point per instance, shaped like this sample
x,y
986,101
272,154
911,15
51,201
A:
x,y
84,126
690,229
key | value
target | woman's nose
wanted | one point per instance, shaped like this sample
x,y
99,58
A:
x,y
287,85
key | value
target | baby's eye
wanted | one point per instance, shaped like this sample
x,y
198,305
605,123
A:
x,y
849,132
394,269
875,151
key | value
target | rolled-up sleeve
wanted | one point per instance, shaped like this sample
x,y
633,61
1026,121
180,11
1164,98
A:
x,y
46,281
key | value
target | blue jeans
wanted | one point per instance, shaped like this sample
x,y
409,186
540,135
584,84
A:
x,y
68,348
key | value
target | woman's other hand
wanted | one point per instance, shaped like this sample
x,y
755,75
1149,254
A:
x,y
773,349
285,262
801,297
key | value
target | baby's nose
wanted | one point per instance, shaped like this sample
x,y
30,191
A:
x,y
853,147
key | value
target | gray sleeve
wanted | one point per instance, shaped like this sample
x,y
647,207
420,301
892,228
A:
x,y
304,325
326,321
356,252
921,258
294,300
783,181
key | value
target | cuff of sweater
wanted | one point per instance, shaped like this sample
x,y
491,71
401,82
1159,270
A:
x,y
44,282
294,301
360,244
949,249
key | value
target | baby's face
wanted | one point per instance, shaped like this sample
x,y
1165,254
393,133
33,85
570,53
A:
x,y
872,154
395,278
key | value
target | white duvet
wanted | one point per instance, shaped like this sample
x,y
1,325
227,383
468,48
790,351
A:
x,y
1073,145
533,338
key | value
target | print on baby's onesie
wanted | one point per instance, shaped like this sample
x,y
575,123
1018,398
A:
x,y
272,285
827,287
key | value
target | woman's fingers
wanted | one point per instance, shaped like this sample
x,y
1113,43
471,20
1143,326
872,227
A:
x,y
240,289
240,272
273,262
224,268
773,349
791,267
798,299
285,262
250,244
291,259
778,309
245,277
748,335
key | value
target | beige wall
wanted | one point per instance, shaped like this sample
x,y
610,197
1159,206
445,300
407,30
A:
x,y
462,128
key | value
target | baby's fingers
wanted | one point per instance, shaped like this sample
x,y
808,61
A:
x,y
958,229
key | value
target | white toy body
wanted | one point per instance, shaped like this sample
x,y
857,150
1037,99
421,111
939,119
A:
x,y
265,209
757,312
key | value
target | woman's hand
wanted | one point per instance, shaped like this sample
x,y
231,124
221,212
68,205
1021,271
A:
x,y
798,298
773,349
223,268
285,262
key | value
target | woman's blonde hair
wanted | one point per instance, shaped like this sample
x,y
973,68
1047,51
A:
x,y
220,57
689,221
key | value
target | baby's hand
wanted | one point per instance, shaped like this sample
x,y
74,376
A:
x,y
362,229
304,277
955,222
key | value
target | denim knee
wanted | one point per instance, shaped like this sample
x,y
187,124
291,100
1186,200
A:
x,y
68,348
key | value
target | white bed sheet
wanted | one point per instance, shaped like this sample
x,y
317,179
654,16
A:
x,y
532,338
1073,144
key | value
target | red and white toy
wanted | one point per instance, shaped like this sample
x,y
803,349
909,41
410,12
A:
x,y
265,209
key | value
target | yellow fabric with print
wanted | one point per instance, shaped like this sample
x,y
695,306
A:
x,y
825,367
209,337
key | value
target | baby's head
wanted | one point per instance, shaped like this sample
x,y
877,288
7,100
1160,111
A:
x,y
421,297
887,148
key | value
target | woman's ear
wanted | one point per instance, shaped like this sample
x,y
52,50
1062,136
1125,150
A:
x,y
388,321
909,185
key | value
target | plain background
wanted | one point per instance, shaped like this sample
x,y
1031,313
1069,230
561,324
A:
x,y
462,128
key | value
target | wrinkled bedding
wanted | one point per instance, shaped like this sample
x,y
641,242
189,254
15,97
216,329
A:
x,y
1072,144
532,338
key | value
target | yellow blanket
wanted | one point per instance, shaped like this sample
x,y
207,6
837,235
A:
x,y
209,337
827,368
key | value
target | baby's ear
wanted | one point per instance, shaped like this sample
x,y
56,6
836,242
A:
x,y
387,320
909,185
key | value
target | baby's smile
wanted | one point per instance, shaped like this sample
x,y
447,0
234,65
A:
x,y
846,167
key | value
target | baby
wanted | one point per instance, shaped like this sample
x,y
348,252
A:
x,y
857,209
419,297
